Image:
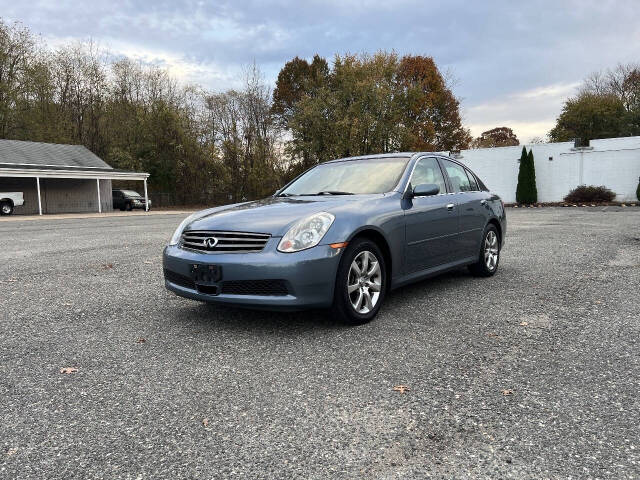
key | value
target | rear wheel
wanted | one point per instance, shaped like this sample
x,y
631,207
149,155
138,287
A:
x,y
361,283
489,255
6,208
128,207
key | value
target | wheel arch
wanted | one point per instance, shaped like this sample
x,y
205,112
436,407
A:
x,y
7,200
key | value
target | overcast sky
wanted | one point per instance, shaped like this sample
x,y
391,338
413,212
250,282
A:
x,y
515,62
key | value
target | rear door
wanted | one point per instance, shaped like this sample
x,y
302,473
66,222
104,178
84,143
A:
x,y
471,205
431,221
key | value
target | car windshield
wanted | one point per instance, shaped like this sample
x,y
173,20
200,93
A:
x,y
131,193
371,175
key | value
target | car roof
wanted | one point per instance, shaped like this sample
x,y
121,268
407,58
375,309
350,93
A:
x,y
389,155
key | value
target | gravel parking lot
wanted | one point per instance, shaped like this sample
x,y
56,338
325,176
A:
x,y
533,373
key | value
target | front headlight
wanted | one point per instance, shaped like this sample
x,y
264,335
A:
x,y
176,235
306,233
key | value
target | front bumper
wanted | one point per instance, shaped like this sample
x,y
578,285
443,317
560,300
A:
x,y
309,275
140,205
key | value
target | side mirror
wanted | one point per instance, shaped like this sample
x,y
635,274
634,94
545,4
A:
x,y
426,189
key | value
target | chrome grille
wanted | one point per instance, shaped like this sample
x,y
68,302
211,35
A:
x,y
220,242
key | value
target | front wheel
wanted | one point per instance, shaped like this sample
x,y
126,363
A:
x,y
360,284
489,255
6,208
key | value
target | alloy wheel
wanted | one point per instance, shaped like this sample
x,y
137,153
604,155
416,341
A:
x,y
491,250
364,282
6,209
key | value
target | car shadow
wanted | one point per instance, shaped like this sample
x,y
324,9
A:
x,y
440,282
263,321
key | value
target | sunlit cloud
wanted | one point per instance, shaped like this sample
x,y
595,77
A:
x,y
530,113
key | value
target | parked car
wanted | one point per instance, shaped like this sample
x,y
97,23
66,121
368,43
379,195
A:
x,y
128,200
340,236
10,200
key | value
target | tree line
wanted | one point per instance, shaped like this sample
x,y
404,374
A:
x,y
607,105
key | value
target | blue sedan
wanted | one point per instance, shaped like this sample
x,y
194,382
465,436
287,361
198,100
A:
x,y
340,236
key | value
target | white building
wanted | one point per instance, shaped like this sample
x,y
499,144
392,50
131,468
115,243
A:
x,y
612,162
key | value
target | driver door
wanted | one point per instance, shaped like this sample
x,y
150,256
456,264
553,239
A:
x,y
431,222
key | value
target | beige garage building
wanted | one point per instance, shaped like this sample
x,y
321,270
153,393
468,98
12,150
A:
x,y
58,178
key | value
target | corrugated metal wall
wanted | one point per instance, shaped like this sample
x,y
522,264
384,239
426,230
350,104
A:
x,y
59,195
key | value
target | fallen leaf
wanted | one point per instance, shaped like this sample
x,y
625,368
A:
x,y
68,370
67,304
148,262
524,324
107,266
401,388
205,422
507,391
492,334
12,451
141,340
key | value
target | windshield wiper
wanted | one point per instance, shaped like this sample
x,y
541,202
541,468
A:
x,y
333,192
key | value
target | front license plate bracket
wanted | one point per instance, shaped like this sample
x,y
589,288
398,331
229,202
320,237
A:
x,y
206,274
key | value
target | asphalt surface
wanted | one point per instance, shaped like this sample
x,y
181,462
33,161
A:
x,y
533,373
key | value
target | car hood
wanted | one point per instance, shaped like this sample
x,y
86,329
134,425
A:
x,y
273,215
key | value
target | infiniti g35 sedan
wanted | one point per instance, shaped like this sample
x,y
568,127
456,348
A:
x,y
340,236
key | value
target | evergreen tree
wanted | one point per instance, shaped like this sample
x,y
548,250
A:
x,y
531,167
526,191
521,187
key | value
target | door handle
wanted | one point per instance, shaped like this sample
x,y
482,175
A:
x,y
450,206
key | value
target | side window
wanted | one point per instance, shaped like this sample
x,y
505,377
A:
x,y
428,171
459,180
473,185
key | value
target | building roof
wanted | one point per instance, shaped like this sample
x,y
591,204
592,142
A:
x,y
18,153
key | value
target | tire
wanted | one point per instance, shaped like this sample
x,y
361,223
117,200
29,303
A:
x,y
370,288
6,208
128,207
489,255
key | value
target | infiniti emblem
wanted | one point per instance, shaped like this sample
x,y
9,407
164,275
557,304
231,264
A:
x,y
210,242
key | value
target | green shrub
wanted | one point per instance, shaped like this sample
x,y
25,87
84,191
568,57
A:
x,y
590,194
526,191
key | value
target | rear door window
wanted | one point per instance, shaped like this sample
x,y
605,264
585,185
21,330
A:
x,y
473,185
457,176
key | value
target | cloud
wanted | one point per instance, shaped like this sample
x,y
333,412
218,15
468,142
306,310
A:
x,y
530,113
497,49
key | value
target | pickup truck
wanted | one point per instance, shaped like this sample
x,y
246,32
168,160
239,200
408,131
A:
x,y
9,200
